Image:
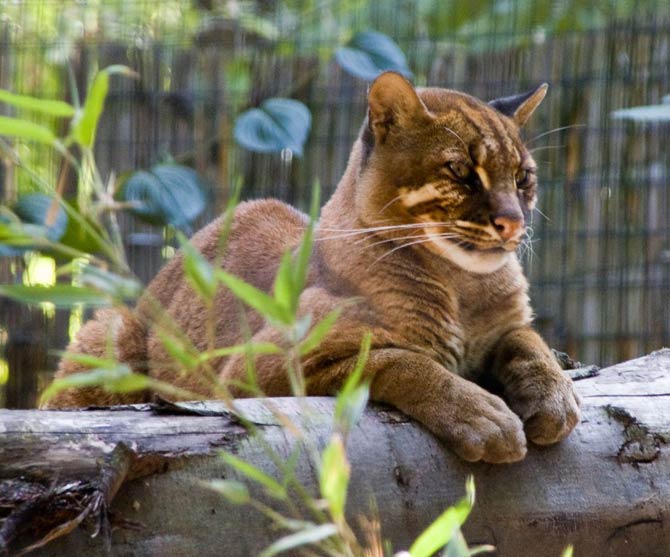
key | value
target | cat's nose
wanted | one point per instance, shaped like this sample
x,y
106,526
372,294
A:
x,y
509,227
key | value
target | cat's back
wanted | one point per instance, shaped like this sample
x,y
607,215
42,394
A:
x,y
260,232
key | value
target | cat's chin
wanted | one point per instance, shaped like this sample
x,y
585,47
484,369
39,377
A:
x,y
481,262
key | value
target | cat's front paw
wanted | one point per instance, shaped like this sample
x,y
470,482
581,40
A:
x,y
484,428
548,406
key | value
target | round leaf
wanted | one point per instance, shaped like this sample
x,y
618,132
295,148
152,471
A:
x,y
166,194
277,125
370,53
37,208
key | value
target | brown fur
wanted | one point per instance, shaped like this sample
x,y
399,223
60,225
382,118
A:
x,y
444,313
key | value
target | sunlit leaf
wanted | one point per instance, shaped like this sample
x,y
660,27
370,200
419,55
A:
x,y
61,295
272,486
166,194
334,477
319,332
198,270
24,129
249,348
304,537
117,286
276,125
85,124
117,379
235,492
438,534
45,106
370,53
568,551
283,285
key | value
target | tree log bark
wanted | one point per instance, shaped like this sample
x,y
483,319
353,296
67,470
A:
x,y
606,489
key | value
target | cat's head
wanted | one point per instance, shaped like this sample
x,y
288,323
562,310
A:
x,y
450,161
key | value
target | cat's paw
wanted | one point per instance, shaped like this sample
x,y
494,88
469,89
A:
x,y
484,428
549,408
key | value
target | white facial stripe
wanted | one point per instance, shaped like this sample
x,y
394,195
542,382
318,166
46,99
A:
x,y
483,177
481,263
428,192
412,197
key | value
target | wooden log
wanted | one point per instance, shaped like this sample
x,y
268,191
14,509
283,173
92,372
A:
x,y
606,489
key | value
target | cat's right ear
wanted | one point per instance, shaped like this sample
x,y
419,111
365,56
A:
x,y
393,102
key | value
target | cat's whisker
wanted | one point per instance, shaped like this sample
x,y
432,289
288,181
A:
x,y
346,233
452,132
542,214
394,200
406,245
414,236
554,131
546,147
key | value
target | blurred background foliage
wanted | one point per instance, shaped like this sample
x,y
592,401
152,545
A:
x,y
271,93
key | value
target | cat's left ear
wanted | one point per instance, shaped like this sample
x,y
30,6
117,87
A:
x,y
520,107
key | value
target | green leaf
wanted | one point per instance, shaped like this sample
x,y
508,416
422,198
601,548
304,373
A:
x,y
353,396
283,286
16,238
24,129
276,125
199,273
255,298
272,486
319,331
166,194
438,534
305,250
116,379
304,537
61,295
249,348
235,492
179,351
85,124
334,477
45,106
567,552
117,286
370,53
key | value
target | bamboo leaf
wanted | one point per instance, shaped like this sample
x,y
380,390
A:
x,y
249,348
334,477
283,286
85,124
319,331
199,272
273,487
255,298
61,295
304,537
234,491
440,532
24,129
45,106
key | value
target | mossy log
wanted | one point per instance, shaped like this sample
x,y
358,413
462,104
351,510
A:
x,y
131,476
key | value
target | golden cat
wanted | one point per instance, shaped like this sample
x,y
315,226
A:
x,y
422,231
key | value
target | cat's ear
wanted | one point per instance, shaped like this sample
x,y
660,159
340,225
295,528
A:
x,y
392,101
520,107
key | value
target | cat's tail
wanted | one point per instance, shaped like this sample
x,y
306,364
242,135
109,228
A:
x,y
113,334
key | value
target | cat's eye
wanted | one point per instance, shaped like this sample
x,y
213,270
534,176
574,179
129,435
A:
x,y
522,178
459,169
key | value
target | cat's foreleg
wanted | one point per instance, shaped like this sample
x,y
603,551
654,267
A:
x,y
476,424
535,387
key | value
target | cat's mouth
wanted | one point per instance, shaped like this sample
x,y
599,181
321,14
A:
x,y
498,247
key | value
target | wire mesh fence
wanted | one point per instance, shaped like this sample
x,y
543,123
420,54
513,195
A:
x,y
600,263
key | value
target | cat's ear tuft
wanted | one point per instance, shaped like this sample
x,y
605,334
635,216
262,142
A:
x,y
392,101
520,107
